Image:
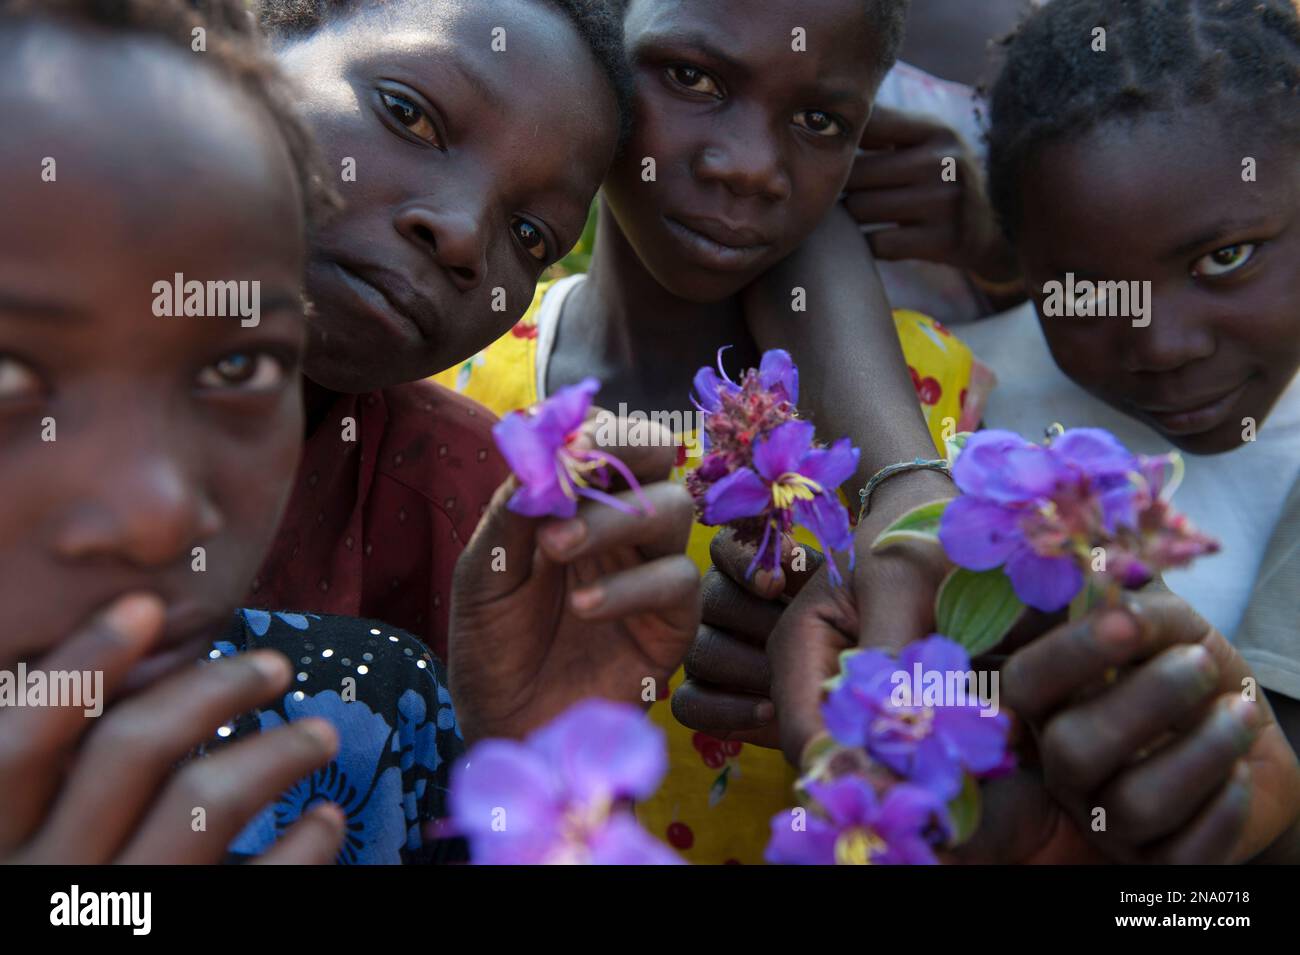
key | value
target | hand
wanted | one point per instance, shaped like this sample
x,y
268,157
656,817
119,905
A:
x,y
900,180
726,684
545,613
727,688
90,791
1185,767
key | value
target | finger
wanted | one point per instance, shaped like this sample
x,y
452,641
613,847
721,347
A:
x,y
804,652
896,127
719,658
312,840
598,528
650,457
1214,833
231,786
721,712
906,205
499,556
136,746
733,557
33,739
1044,674
912,242
729,608
668,587
1085,744
1159,795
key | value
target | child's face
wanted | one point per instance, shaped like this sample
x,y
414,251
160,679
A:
x,y
1164,201
126,439
751,139
465,172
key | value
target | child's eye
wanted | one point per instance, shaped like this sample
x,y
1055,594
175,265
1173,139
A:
x,y
244,371
815,121
695,80
530,237
16,379
411,116
1225,260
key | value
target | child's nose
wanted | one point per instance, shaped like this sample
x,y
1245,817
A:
x,y
1177,335
454,238
146,510
745,158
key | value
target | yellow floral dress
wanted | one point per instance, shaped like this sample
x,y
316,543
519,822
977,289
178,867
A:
x,y
719,796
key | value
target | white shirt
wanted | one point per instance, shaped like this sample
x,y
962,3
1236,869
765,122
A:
x,y
1236,496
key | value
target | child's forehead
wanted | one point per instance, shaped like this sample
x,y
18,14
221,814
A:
x,y
126,110
821,43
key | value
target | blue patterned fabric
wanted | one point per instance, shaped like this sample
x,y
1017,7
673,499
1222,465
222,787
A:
x,y
387,697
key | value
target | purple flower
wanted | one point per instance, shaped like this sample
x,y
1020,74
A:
x,y
1040,511
856,827
791,482
540,445
558,796
919,715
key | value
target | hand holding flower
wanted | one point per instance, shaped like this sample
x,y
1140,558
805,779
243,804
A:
x,y
546,612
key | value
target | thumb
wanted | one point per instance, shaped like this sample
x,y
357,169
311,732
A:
x,y
804,652
499,557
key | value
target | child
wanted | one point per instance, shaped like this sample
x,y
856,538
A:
x,y
147,457
750,139
457,197
1093,157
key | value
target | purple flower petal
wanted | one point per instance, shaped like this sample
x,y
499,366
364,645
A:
x,y
777,369
740,494
828,519
504,775
1044,583
979,534
566,410
783,449
1094,451
830,467
528,450
812,845
623,842
707,386
981,461
602,750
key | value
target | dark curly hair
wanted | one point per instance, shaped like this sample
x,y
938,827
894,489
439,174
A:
x,y
598,22
234,48
1161,55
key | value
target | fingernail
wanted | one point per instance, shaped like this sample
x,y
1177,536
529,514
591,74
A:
x,y
331,813
1247,713
764,712
271,666
589,598
1117,630
768,583
322,732
1199,659
135,617
566,536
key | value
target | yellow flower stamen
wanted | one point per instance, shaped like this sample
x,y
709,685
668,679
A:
x,y
791,487
856,847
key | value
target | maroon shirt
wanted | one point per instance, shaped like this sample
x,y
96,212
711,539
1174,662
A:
x,y
375,524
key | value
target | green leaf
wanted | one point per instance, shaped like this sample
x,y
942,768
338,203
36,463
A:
x,y
920,523
964,811
976,609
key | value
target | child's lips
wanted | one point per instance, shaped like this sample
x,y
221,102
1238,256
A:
x,y
723,250
1195,417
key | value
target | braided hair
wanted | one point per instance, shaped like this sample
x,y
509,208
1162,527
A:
x,y
1160,55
